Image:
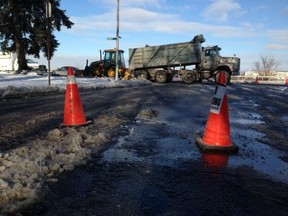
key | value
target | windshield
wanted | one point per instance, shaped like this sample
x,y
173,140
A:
x,y
111,56
212,52
121,57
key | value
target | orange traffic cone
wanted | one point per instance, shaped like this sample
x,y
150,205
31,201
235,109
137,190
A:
x,y
73,111
217,132
257,80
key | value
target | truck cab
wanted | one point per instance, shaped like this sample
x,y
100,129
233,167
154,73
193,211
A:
x,y
210,57
213,62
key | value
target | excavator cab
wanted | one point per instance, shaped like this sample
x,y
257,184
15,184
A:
x,y
110,57
110,62
107,66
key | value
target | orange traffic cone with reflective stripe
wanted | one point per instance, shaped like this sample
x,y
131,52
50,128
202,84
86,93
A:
x,y
216,136
257,80
73,111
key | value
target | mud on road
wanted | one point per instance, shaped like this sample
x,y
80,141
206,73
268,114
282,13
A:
x,y
142,157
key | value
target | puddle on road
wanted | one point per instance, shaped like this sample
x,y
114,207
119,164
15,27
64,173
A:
x,y
161,144
248,121
245,103
285,118
173,150
257,155
144,144
120,155
246,118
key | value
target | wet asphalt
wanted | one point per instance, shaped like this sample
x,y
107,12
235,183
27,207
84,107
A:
x,y
156,168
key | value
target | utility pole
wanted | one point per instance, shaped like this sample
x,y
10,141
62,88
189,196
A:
x,y
117,42
48,19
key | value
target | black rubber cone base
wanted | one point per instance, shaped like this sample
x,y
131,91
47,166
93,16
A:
x,y
205,148
77,125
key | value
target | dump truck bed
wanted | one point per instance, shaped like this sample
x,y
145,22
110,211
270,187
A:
x,y
172,55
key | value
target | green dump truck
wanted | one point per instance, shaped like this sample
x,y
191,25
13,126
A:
x,y
188,60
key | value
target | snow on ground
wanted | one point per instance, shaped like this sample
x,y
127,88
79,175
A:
x,y
25,170
18,85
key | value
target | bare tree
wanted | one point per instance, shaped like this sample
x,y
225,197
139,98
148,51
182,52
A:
x,y
266,65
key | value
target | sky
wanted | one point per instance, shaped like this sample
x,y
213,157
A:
x,y
247,28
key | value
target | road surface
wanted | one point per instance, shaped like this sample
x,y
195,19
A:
x,y
149,163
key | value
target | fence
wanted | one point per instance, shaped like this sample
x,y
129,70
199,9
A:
x,y
260,79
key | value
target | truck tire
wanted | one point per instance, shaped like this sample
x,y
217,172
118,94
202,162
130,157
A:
x,y
189,77
161,76
142,74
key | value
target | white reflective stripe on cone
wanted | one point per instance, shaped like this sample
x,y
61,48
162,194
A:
x,y
71,80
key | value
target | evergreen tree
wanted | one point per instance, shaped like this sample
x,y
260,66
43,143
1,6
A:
x,y
23,27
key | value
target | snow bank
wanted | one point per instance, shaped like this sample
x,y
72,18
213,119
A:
x,y
25,170
13,86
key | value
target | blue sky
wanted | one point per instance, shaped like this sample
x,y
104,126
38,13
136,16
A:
x,y
247,28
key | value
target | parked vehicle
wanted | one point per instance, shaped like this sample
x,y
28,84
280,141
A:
x,y
41,70
159,62
32,64
63,71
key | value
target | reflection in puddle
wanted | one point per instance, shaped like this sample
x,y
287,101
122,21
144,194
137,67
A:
x,y
215,160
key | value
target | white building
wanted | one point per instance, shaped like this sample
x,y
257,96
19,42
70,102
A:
x,y
8,61
279,74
